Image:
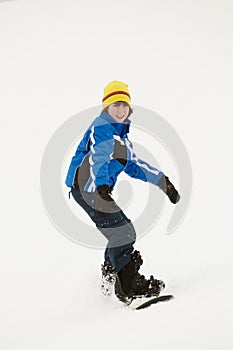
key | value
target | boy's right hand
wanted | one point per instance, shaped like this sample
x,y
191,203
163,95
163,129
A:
x,y
104,201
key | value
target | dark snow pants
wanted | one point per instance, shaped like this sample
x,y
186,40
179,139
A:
x,y
116,227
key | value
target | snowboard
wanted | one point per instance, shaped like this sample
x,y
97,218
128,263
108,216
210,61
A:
x,y
148,302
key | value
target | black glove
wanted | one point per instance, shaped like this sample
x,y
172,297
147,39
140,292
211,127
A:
x,y
104,200
167,187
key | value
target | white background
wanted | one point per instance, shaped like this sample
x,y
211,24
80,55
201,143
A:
x,y
55,59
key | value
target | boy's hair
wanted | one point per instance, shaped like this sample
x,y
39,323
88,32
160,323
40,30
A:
x,y
117,104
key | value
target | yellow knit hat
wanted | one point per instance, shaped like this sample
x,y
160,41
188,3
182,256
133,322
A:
x,y
115,91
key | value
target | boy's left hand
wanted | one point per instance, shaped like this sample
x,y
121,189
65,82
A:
x,y
167,187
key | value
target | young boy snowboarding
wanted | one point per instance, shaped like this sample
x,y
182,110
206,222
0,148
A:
x,y
103,153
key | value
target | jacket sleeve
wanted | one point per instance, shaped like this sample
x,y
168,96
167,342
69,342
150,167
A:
x,y
77,159
140,169
101,150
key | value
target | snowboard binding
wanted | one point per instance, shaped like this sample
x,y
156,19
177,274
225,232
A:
x,y
130,284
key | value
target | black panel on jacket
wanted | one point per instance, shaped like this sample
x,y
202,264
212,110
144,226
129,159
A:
x,y
83,171
120,152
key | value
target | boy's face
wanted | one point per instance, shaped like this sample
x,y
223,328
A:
x,y
118,111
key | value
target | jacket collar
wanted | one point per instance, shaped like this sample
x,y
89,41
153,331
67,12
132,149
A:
x,y
121,128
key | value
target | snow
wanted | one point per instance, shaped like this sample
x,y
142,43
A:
x,y
56,57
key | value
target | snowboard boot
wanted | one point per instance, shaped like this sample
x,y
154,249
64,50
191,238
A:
x,y
108,279
130,284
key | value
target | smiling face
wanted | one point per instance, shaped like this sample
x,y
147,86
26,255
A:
x,y
119,111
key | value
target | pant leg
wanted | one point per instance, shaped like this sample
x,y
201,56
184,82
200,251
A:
x,y
117,228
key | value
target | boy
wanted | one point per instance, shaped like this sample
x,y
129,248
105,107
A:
x,y
103,153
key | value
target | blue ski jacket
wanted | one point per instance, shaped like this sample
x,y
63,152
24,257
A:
x,y
106,149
